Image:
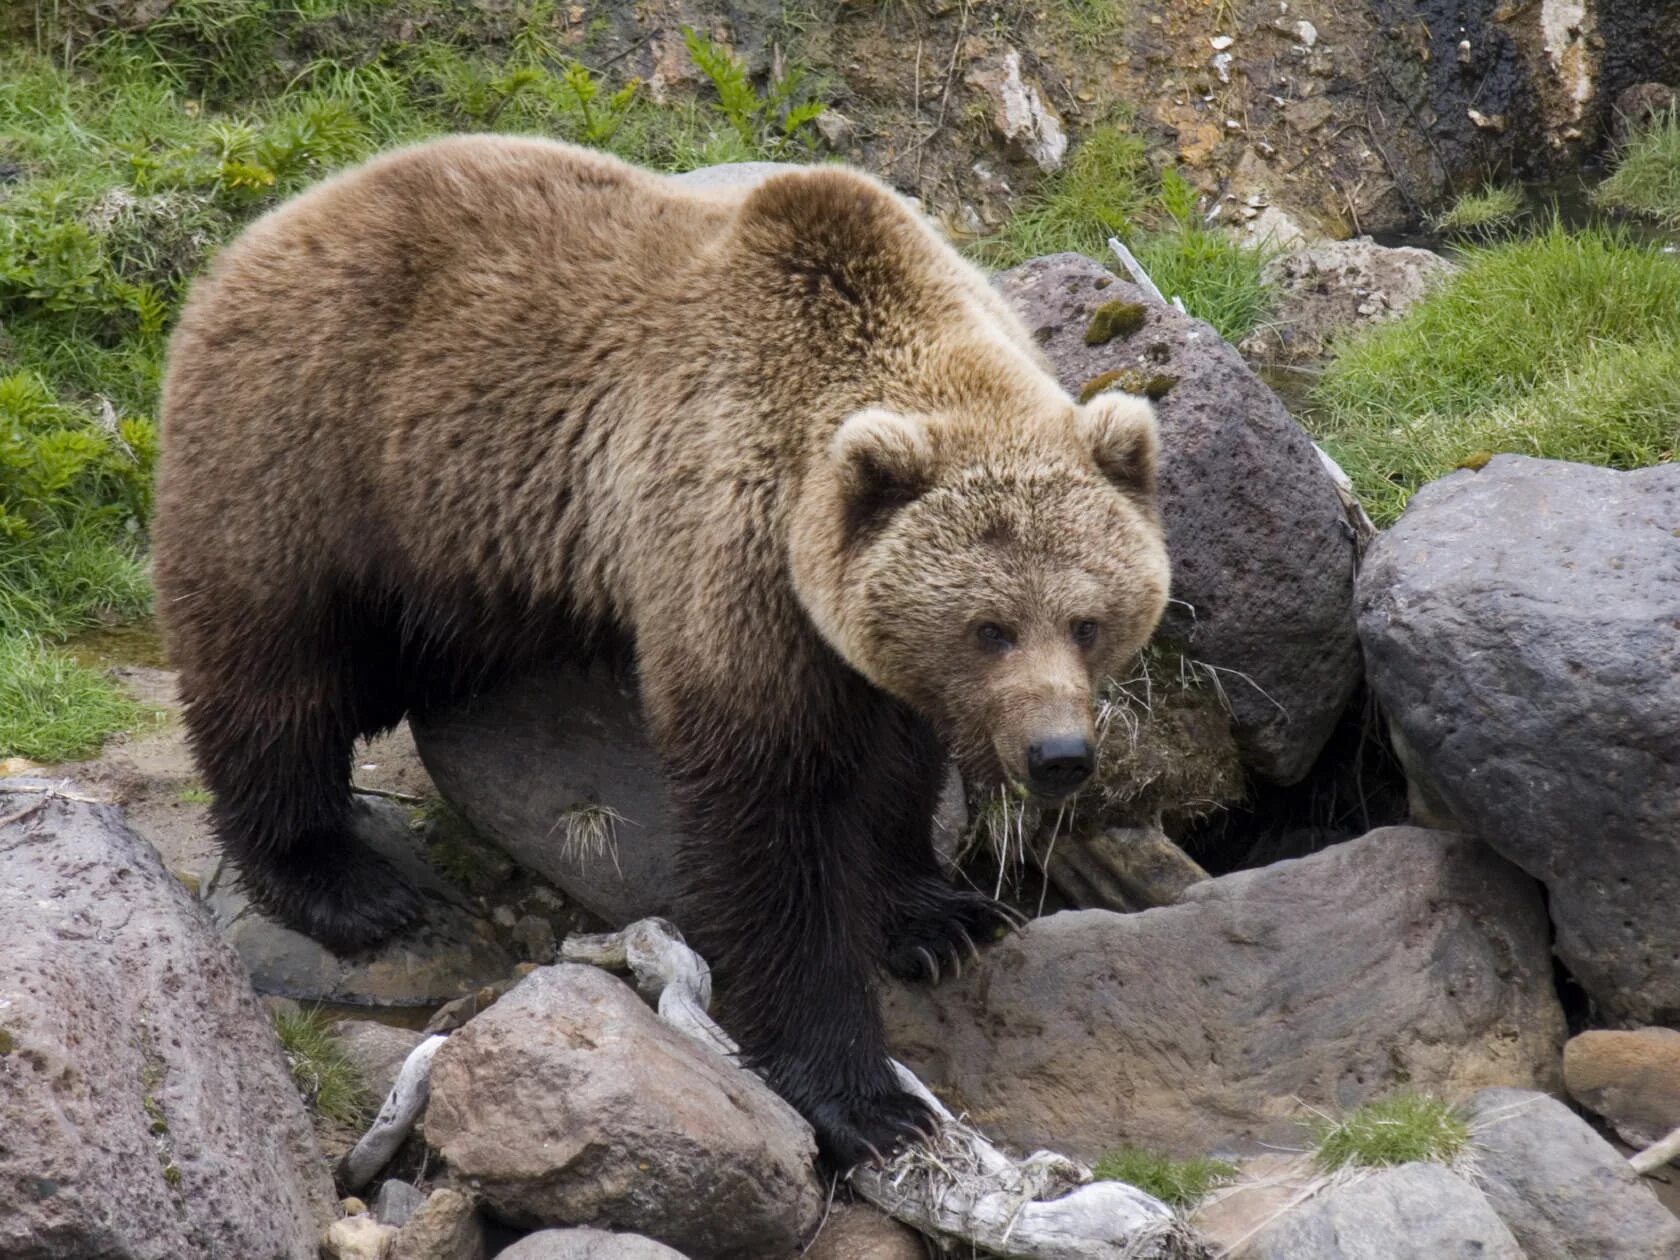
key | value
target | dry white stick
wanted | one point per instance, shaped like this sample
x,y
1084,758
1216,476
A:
x,y
1134,268
402,1107
958,1188
1654,1157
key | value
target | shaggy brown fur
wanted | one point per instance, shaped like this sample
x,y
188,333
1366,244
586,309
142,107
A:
x,y
490,399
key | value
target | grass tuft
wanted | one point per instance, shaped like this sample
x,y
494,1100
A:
x,y
1103,189
1561,345
1402,1129
1176,1182
52,709
1481,213
1646,180
1218,279
329,1082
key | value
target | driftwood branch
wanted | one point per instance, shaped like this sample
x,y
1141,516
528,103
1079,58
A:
x,y
1654,1157
395,1119
958,1188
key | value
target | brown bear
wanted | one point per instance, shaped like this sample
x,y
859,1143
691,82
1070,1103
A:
x,y
488,401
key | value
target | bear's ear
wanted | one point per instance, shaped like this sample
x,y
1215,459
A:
x,y
1121,432
883,460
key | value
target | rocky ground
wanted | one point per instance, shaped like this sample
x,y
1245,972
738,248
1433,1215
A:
x,y
1375,815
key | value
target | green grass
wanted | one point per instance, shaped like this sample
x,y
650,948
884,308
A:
x,y
1218,279
1481,213
329,1082
1646,180
1178,1182
1107,189
52,709
1104,189
1402,1129
1561,345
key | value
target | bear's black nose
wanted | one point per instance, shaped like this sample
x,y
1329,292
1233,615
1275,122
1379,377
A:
x,y
1057,765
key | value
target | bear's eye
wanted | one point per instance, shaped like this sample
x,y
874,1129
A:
x,y
993,637
1085,633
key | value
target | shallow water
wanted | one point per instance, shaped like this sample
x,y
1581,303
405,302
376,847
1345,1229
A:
x,y
135,643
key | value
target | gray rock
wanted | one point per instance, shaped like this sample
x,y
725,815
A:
x,y
587,1244
1404,957
451,951
1333,287
1521,633
377,1050
1413,1212
1562,1189
145,1109
557,769
1262,554
734,174
396,1202
569,1100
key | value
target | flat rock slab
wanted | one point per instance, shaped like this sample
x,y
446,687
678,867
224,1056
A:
x,y
570,1102
1522,631
1262,553
1330,288
1404,957
145,1108
1563,1190
1413,1212
448,953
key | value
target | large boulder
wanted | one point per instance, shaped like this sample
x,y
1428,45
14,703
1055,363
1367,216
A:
x,y
1404,957
570,1102
1262,553
1521,632
1413,1212
556,768
1561,1188
145,1108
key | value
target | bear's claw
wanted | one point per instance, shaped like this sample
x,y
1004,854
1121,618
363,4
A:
x,y
852,1131
936,924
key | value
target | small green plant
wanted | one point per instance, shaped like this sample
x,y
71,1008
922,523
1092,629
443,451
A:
x,y
1481,213
1178,1182
1561,345
52,709
1646,180
768,120
329,1082
197,794
1401,1129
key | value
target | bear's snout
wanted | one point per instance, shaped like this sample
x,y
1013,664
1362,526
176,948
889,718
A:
x,y
1058,764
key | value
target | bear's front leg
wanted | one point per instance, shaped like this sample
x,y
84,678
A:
x,y
780,898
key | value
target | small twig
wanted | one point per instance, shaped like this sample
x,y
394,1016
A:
x,y
407,798
1129,261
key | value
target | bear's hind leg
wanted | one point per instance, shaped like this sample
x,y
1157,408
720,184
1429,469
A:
x,y
274,744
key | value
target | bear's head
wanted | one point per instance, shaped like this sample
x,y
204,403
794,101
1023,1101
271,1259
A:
x,y
990,575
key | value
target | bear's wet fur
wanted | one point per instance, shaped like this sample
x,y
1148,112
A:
x,y
493,401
